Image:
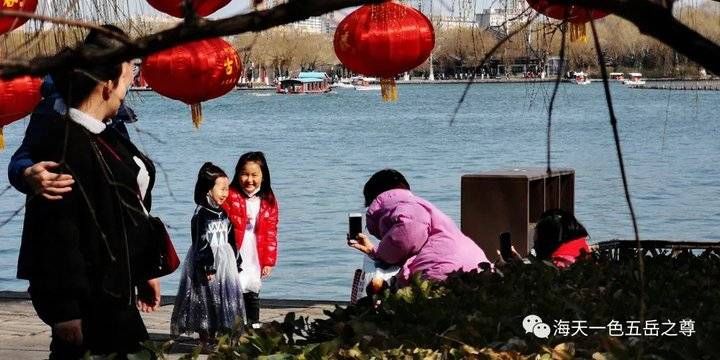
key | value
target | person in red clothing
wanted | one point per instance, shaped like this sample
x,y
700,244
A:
x,y
253,211
560,237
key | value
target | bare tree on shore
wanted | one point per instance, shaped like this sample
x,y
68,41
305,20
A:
x,y
651,17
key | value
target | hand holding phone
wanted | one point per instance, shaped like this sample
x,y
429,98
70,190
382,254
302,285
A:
x,y
354,225
505,246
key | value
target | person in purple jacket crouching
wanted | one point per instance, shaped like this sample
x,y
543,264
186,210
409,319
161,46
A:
x,y
413,233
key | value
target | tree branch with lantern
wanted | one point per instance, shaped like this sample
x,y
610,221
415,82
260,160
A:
x,y
653,18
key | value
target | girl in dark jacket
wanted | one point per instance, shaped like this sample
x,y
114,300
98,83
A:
x,y
209,297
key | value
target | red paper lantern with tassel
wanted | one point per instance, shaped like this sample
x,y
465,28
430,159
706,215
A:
x,y
18,98
384,40
8,23
194,72
577,16
175,7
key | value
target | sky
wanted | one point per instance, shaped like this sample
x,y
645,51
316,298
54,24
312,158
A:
x,y
241,6
440,7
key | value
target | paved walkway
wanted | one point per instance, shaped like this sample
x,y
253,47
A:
x,y
23,336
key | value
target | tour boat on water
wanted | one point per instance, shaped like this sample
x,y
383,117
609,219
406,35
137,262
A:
x,y
310,82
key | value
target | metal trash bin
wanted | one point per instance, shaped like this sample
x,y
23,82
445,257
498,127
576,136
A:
x,y
512,201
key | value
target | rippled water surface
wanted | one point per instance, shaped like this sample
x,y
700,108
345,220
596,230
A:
x,y
322,148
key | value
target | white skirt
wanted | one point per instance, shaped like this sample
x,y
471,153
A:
x,y
209,306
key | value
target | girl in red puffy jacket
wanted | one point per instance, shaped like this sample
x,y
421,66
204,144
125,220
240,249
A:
x,y
253,211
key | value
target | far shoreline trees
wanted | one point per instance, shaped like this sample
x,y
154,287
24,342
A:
x,y
684,40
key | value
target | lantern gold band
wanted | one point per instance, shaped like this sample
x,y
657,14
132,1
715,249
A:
x,y
388,88
197,116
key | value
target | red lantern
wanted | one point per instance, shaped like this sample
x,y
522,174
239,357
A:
x,y
18,98
8,23
175,7
384,40
577,16
194,72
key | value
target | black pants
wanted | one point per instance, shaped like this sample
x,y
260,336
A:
x,y
60,350
107,329
252,307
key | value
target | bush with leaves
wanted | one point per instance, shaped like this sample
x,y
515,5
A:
x,y
479,315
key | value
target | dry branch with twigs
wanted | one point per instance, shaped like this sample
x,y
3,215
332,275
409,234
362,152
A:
x,y
653,18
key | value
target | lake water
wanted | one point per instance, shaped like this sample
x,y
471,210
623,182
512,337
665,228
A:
x,y
322,148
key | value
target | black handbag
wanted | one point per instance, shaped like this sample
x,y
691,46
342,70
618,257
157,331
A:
x,y
159,258
162,256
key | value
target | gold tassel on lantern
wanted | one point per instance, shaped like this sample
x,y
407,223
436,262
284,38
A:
x,y
577,32
2,139
197,117
388,89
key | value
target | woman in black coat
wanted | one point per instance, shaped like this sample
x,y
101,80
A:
x,y
88,255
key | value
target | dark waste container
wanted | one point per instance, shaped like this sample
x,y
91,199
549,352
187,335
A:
x,y
511,201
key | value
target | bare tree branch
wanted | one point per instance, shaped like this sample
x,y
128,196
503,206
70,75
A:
x,y
482,63
64,21
187,31
654,18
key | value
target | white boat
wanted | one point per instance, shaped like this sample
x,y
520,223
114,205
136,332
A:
x,y
140,88
618,76
343,84
580,79
635,79
366,83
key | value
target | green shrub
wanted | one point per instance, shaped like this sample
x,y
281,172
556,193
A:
x,y
479,315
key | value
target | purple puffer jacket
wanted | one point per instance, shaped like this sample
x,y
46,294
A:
x,y
415,234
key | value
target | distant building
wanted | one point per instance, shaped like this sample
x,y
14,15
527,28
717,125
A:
x,y
311,25
266,4
508,13
453,22
315,25
425,6
450,12
159,19
554,65
331,22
